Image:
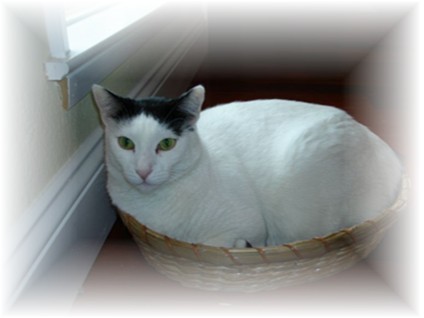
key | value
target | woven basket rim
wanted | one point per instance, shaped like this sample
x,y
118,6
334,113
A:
x,y
302,249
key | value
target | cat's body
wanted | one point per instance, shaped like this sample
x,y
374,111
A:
x,y
265,172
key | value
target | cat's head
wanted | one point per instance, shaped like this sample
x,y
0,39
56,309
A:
x,y
150,141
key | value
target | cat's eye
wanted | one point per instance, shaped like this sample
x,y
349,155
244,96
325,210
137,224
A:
x,y
167,144
126,143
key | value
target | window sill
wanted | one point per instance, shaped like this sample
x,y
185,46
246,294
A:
x,y
76,74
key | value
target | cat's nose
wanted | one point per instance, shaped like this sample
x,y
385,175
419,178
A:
x,y
144,173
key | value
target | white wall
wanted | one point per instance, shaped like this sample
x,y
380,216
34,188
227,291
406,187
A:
x,y
39,136
38,139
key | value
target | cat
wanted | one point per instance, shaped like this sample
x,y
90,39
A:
x,y
256,173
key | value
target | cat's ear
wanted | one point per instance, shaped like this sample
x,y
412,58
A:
x,y
106,102
192,101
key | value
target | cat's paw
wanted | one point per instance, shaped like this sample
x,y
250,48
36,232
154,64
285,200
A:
x,y
226,242
240,243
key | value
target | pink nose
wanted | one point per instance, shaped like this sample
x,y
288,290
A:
x,y
144,173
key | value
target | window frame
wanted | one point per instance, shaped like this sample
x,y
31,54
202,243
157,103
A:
x,y
76,73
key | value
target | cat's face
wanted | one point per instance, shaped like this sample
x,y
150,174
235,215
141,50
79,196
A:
x,y
150,141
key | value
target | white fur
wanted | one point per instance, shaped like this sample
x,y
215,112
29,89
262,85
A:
x,y
265,172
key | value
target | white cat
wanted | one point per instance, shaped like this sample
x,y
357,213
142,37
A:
x,y
257,173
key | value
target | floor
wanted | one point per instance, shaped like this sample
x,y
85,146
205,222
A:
x,y
122,282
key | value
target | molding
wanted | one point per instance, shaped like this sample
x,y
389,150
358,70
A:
x,y
61,217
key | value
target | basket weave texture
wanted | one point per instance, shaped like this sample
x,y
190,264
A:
x,y
256,269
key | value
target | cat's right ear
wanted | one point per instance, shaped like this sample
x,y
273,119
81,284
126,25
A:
x,y
192,102
106,102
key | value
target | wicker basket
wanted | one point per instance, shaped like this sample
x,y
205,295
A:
x,y
255,269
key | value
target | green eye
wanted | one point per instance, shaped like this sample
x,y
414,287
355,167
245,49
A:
x,y
126,143
167,144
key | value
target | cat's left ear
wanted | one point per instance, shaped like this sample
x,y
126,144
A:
x,y
192,101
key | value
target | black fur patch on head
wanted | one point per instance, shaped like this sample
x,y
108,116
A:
x,y
166,111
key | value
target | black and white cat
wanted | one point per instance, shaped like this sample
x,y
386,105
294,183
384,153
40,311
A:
x,y
263,172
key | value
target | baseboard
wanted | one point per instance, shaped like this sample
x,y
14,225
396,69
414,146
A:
x,y
57,241
73,209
